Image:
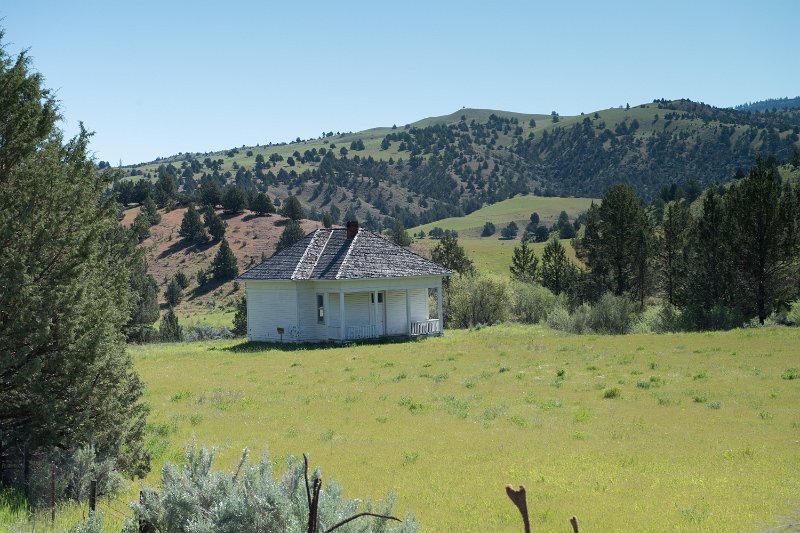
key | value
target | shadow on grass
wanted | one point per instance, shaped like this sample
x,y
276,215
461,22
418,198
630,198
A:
x,y
252,346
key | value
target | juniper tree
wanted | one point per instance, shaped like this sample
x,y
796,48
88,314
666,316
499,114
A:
x,y
172,294
216,226
262,205
169,330
449,254
292,209
234,200
399,234
240,317
65,378
192,228
292,233
524,263
144,302
224,266
150,209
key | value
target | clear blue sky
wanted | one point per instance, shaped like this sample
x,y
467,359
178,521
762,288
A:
x,y
153,78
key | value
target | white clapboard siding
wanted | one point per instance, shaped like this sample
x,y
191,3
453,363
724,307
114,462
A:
x,y
419,304
271,305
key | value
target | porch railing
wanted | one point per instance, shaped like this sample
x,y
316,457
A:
x,y
426,327
365,331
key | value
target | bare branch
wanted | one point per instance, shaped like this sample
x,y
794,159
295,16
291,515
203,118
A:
x,y
343,522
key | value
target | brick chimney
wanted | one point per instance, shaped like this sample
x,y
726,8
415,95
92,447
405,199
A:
x,y
352,229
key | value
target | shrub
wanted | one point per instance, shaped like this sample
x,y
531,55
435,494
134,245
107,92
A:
x,y
559,319
610,394
204,332
532,303
240,318
478,299
581,319
611,314
793,316
194,497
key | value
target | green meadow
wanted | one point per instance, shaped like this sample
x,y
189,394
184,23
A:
x,y
678,432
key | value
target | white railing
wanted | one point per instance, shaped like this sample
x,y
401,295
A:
x,y
426,327
366,331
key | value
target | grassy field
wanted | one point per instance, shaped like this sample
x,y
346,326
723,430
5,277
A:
x,y
683,432
491,254
518,209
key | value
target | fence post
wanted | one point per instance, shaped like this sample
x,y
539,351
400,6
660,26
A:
x,y
52,493
92,495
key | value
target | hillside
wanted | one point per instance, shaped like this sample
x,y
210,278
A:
x,y
250,238
770,104
452,165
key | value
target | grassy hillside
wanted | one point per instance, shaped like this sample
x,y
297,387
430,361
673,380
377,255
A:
x,y
682,432
492,254
451,165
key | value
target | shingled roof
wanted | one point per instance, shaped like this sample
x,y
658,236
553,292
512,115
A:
x,y
327,254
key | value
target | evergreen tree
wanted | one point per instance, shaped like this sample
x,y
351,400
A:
x,y
141,226
66,381
262,205
292,209
240,317
524,263
449,254
399,234
488,230
234,200
169,330
510,231
216,226
182,279
616,241
327,220
192,228
557,271
292,233
711,277
150,209
172,294
166,190
224,266
673,251
763,233
144,304
211,194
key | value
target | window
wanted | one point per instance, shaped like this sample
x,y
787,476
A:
x,y
320,309
372,297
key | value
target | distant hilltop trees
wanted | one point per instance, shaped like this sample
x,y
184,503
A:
x,y
770,104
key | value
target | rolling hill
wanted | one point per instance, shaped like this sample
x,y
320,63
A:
x,y
452,165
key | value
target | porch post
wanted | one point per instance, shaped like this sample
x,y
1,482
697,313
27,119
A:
x,y
439,304
341,314
374,314
408,313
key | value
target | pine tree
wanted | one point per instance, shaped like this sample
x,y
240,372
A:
x,y
762,216
557,271
210,194
292,209
327,219
292,233
449,254
617,239
216,226
524,263
192,228
66,380
673,251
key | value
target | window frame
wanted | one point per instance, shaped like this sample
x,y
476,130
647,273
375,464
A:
x,y
321,319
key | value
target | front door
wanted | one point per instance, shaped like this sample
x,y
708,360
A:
x,y
379,312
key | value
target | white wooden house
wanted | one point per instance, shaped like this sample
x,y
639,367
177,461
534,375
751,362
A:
x,y
342,284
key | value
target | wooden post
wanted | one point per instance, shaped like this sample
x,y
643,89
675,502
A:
x,y
440,314
142,523
341,315
92,495
52,493
408,312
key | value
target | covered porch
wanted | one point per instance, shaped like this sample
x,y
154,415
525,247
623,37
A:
x,y
355,313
